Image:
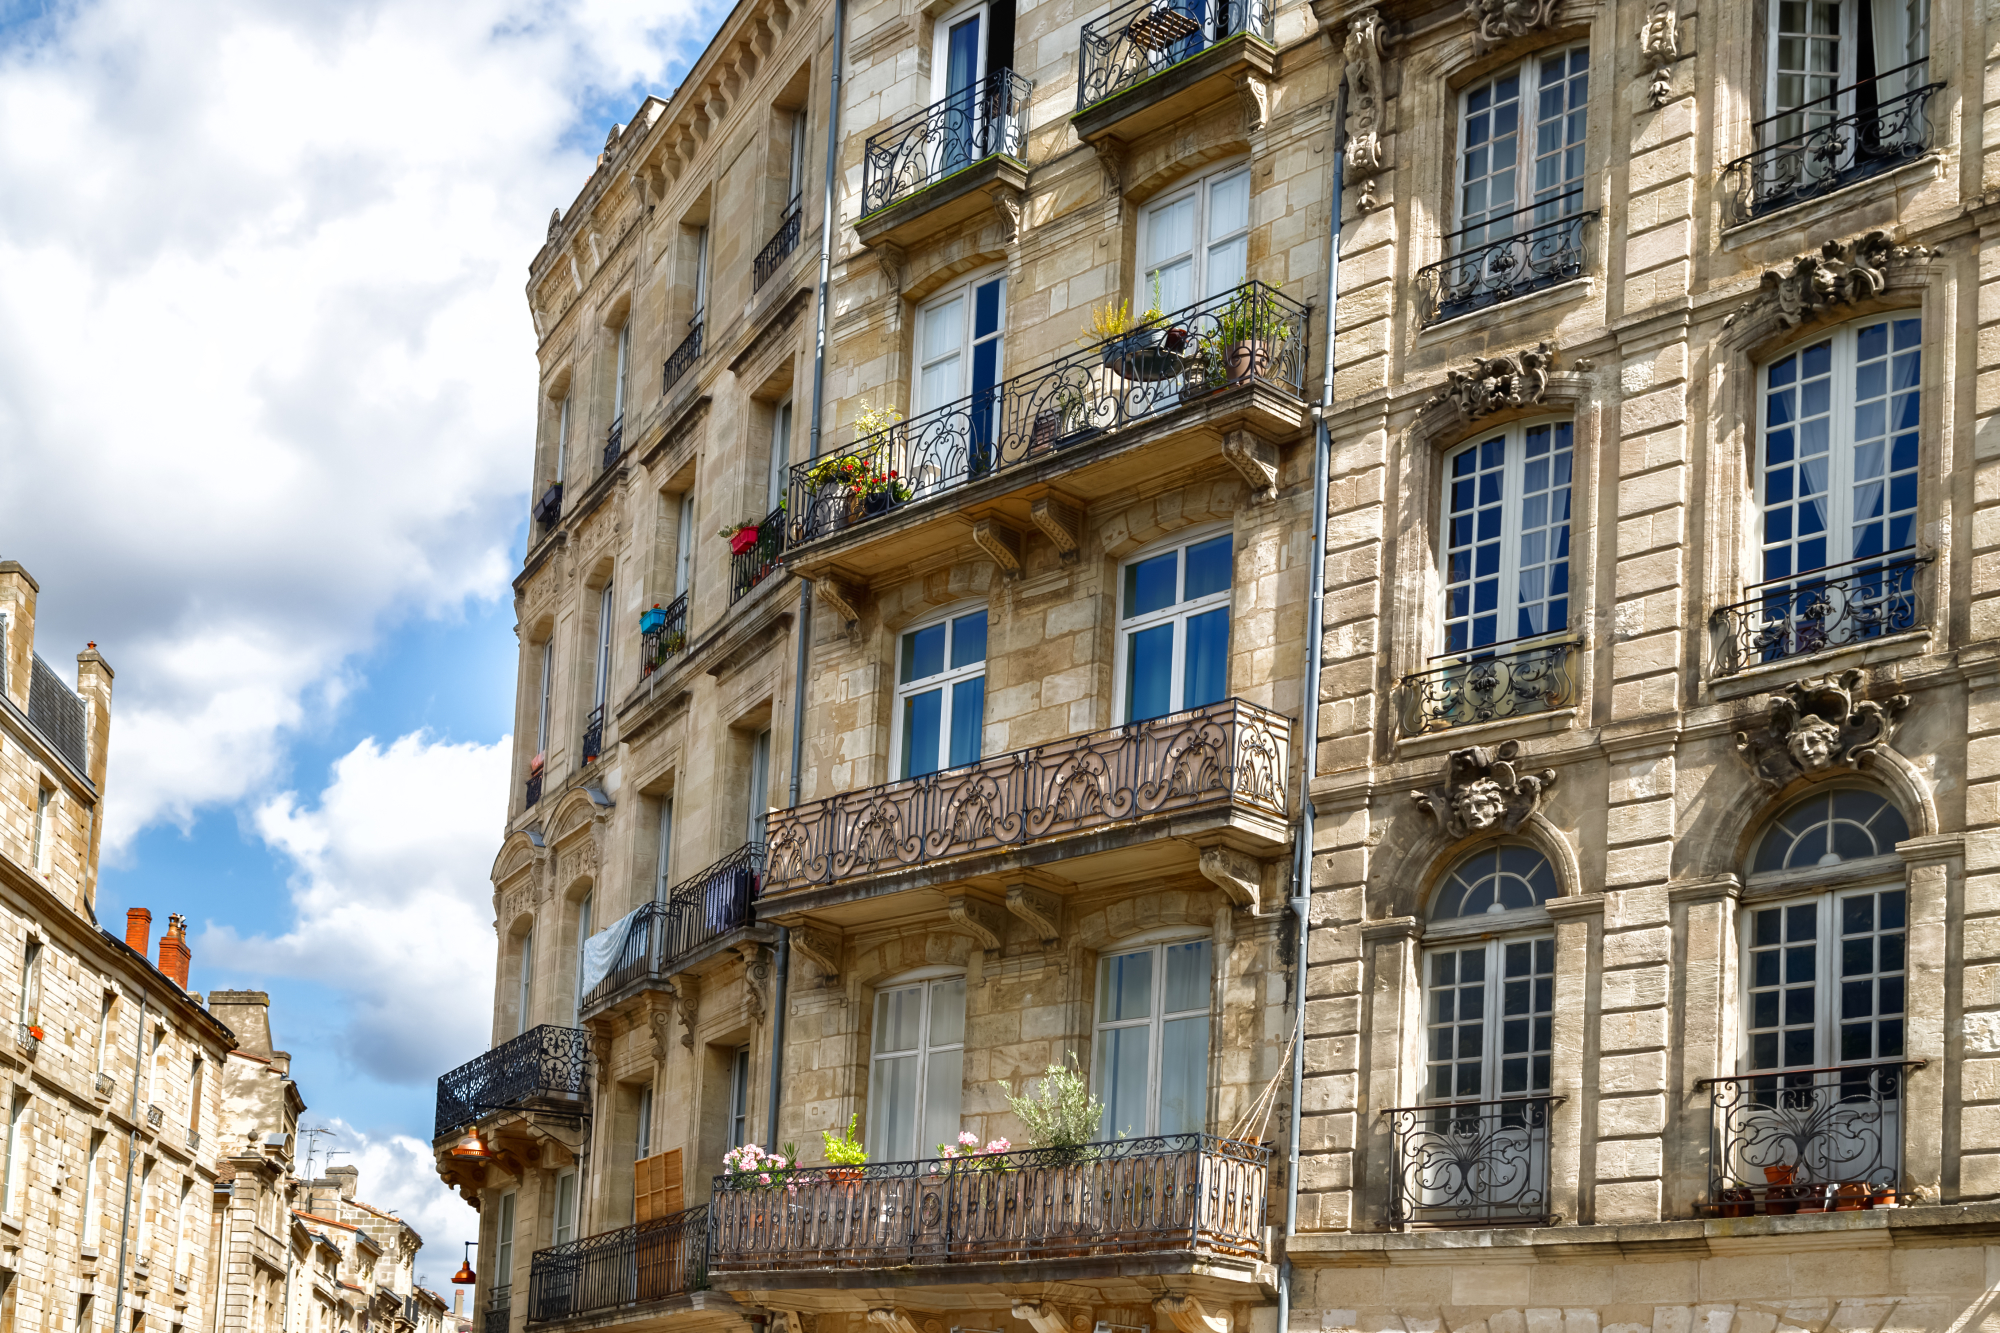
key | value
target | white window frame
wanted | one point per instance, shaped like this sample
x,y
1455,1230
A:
x,y
583,906
503,1240
42,852
618,385
563,1228
1155,1022
1568,197
93,1209
1178,614
757,799
1911,42
605,610
104,1028
1513,496
642,1130
944,680
30,999
10,1187
878,1150
525,976
796,170
700,275
684,541
941,46
966,291
663,871
739,1096
548,695
781,456
1202,189
562,434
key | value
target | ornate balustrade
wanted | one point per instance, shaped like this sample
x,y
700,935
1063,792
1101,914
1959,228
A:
x,y
1141,38
544,1065
664,636
923,148
593,734
1486,684
1826,608
1848,135
702,908
1473,1163
1491,262
534,788
1229,753
1188,1193
781,244
499,1312
1067,407
683,358
1807,1140
649,1261
614,442
750,567
549,508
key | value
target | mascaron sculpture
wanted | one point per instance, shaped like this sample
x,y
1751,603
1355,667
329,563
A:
x,y
1816,725
1484,790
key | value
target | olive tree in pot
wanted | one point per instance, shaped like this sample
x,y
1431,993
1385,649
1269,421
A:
x,y
1060,1116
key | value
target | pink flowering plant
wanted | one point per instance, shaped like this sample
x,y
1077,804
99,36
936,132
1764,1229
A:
x,y
751,1168
967,1150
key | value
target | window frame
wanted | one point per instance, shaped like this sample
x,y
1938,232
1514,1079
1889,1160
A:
x,y
739,1096
1568,202
505,1217
778,467
941,31
970,341
1178,614
927,980
561,1231
1155,1022
944,681
583,906
1512,500
1201,188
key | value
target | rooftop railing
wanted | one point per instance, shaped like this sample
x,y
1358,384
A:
x,y
649,1261
1473,1163
1069,407
758,560
1819,146
1227,753
1833,607
1487,684
545,1065
1807,1140
782,243
683,358
1141,38
700,909
1491,261
948,136
663,634
1187,1193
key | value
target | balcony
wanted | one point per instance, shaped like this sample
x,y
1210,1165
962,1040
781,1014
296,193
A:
x,y
939,166
662,938
1833,141
1188,1195
1490,684
1807,1141
614,442
549,508
1490,262
1228,762
1840,606
1180,385
593,735
758,560
533,794
499,1312
683,358
1472,1164
663,635
544,1068
650,1261
104,1086
1149,63
773,255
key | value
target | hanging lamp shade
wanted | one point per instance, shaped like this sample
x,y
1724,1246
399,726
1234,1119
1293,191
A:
x,y
465,1277
471,1146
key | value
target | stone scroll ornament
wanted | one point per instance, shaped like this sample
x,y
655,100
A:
x,y
1367,42
1817,725
1838,273
1660,47
1497,382
1484,790
1497,21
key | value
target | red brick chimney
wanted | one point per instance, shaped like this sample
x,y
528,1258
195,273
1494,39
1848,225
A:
x,y
174,950
139,931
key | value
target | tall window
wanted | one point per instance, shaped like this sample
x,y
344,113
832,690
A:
x,y
1489,978
700,276
548,693
916,1069
604,610
1834,58
182,1221
1520,151
960,346
642,1129
39,853
781,456
941,694
1505,536
16,1173
562,435
92,1196
104,1028
796,184
664,852
1174,629
757,800
565,1219
527,979
684,536
739,1096
582,946
1196,242
624,368
30,999
1152,1039
503,1242
195,1075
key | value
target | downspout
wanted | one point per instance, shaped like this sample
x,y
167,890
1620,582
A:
x,y
131,1152
1308,766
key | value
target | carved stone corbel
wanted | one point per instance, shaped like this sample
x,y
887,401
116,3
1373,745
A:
x,y
1187,1314
1001,543
984,921
1111,156
822,946
687,996
756,971
1255,459
1484,790
1841,273
1255,95
1239,877
889,258
1007,207
1497,382
1040,1316
1041,909
891,1321
1060,523
1367,104
661,1023
839,598
1660,47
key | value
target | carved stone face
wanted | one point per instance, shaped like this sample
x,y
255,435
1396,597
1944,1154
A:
x,y
1479,804
1813,743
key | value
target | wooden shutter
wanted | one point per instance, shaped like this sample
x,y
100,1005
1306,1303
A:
x,y
656,1185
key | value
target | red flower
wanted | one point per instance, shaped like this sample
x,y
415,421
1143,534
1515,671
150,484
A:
x,y
35,1031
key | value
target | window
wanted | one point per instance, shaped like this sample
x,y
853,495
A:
x,y
1505,536
781,456
1174,629
1152,1040
1489,986
562,435
84,1322
941,695
146,1219
503,1242
757,800
565,1220
1196,242
582,945
642,1136
916,1069
104,1029
700,275
1496,185
603,684
182,1221
30,1000
548,691
92,1206
663,872
1834,58
38,855
960,346
526,978
739,1097
618,383
194,1094
684,535
10,1186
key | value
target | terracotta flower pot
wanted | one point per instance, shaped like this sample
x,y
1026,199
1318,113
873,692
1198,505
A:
x,y
1850,1197
1780,1175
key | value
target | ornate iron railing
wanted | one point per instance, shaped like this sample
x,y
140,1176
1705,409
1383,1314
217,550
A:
x,y
1474,1163
683,358
649,1261
155,1116
544,1066
926,146
1807,1140
663,637
750,567
549,508
534,792
499,1310
614,442
106,1085
1490,262
1141,38
700,909
1823,609
1484,684
781,244
593,734
1068,406
1228,753
1181,1192
1831,141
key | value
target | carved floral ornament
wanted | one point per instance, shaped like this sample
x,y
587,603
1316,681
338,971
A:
x,y
1497,382
1484,791
1838,273
1817,725
1660,47
1497,21
1367,42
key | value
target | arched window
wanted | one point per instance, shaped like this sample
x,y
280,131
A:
x,y
1831,828
1489,978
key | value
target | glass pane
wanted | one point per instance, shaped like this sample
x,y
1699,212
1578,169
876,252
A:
x,y
968,639
944,327
944,1077
1184,1076
968,709
962,59
923,653
892,1109
1188,976
1169,231
923,715
1149,584
1149,667
1121,1080
986,307
1205,675
948,1012
1125,987
898,1017
1229,205
1208,567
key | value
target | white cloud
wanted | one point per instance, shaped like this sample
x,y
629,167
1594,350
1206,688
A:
x,y
399,1175
265,364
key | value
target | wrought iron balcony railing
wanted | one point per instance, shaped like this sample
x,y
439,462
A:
x,y
663,635
549,508
105,1085
782,243
683,358
614,442
946,137
1141,38
1187,1193
702,908
1228,753
1068,406
1848,135
499,1311
757,562
1486,684
545,1066
1826,608
1491,262
1475,1163
593,734
650,1261
534,792
1807,1140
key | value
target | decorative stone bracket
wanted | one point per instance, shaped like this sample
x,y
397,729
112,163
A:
x,y
1060,523
985,922
1187,1314
1816,725
1041,909
1367,102
1483,790
823,947
1839,273
1040,1316
1240,877
1659,48
891,1321
1497,21
1001,543
1497,382
1255,459
842,599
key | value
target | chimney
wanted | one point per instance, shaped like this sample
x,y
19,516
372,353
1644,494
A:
x,y
139,931
458,1302
347,1178
247,1013
174,950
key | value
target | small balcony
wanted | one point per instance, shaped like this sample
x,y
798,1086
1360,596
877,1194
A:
x,y
1807,1141
758,559
1490,684
1184,1194
546,1068
939,166
614,443
1479,1164
593,735
533,794
683,358
1848,135
778,248
1149,63
650,1261
549,508
1493,262
499,1311
663,938
663,635
1844,605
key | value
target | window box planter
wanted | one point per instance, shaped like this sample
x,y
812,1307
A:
x,y
652,620
1143,356
744,539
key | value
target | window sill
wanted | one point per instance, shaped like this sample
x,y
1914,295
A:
x,y
1502,313
1481,733
1766,676
10,1222
1812,214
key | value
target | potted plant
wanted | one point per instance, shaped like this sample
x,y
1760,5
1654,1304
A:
x,y
1780,1196
740,536
1061,1116
1247,329
1063,415
751,1168
1133,348
845,1154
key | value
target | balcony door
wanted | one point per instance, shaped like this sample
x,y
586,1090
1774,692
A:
x,y
916,1069
1828,59
961,338
1151,1066
958,65
1196,242
940,694
1174,629
1504,542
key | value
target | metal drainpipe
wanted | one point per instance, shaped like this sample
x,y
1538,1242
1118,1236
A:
x,y
1302,853
131,1152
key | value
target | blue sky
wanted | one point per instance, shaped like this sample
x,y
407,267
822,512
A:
x,y
266,417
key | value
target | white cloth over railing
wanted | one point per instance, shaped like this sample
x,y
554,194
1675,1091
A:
x,y
601,951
